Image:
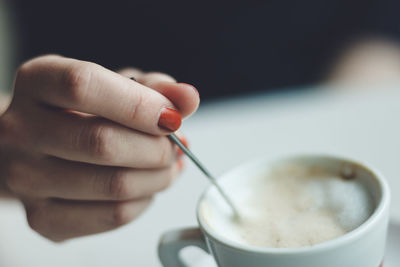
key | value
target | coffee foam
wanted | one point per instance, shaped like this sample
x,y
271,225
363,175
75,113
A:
x,y
290,206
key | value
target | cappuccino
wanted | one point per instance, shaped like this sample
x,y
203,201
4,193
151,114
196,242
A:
x,y
290,206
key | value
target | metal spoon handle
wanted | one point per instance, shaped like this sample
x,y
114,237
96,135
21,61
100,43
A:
x,y
197,162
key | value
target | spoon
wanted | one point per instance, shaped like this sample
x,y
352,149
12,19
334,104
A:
x,y
188,153
194,159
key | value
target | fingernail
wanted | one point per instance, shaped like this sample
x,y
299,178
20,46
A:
x,y
170,119
191,86
185,143
133,79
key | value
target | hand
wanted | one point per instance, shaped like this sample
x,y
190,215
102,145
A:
x,y
85,148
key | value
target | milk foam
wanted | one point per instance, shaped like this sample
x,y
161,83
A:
x,y
291,206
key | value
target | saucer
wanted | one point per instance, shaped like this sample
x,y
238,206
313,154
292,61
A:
x,y
392,257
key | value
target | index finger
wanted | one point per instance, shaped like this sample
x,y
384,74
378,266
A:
x,y
90,88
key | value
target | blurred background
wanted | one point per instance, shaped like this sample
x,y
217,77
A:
x,y
289,76
8,58
224,48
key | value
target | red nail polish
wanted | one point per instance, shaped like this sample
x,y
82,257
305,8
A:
x,y
194,88
185,143
170,119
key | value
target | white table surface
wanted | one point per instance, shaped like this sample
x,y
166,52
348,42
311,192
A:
x,y
223,134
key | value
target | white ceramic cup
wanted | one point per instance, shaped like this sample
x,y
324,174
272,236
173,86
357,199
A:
x,y
362,247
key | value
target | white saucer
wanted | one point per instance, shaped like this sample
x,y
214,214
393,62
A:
x,y
392,258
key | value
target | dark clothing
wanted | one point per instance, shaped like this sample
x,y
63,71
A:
x,y
222,47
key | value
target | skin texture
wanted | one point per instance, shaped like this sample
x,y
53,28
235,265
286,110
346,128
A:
x,y
80,145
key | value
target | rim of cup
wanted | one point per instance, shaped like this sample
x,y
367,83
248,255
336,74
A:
x,y
339,241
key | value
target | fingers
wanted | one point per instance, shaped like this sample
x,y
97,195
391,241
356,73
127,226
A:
x,y
59,220
184,96
54,178
90,88
92,144
97,141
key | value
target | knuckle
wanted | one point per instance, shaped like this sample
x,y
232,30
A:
x,y
122,214
96,139
118,186
76,80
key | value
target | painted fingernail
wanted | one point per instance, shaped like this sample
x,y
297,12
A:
x,y
191,86
185,143
170,119
133,79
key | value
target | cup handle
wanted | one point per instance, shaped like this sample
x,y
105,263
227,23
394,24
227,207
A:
x,y
172,242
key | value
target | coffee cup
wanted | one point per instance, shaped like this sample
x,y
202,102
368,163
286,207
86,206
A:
x,y
320,211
